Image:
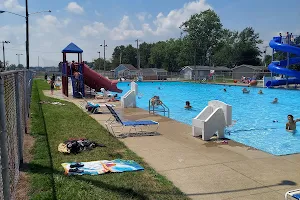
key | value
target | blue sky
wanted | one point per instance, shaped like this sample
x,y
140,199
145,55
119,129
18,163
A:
x,y
88,22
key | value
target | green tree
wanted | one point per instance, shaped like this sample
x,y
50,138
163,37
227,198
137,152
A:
x,y
98,64
11,67
157,54
171,55
127,54
145,52
20,66
204,31
117,54
268,59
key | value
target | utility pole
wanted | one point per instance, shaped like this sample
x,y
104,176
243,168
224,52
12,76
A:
x,y
138,54
38,61
99,59
265,52
27,35
120,57
4,63
104,47
19,54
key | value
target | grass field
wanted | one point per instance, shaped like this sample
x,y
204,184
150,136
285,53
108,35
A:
x,y
51,125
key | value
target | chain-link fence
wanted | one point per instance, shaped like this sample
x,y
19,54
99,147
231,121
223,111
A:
x,y
15,93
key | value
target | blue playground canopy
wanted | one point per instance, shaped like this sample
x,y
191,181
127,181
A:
x,y
72,48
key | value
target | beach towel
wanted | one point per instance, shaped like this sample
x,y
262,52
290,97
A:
x,y
100,167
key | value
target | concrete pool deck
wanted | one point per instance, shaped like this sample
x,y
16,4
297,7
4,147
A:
x,y
207,170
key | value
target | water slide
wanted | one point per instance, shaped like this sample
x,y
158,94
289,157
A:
x,y
279,67
96,81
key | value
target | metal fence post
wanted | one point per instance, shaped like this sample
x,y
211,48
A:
x,y
19,122
3,143
25,100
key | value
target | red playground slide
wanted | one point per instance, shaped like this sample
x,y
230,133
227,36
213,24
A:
x,y
96,81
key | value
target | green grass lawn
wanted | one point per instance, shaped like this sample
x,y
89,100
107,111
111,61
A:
x,y
51,125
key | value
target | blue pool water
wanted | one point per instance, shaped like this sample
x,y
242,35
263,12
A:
x,y
254,113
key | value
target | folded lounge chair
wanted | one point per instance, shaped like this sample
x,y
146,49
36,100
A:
x,y
293,194
93,108
115,121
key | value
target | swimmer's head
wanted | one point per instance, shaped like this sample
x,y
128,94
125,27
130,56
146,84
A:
x,y
187,103
290,117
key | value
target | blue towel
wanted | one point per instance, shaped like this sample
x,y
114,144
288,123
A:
x,y
297,196
139,123
93,105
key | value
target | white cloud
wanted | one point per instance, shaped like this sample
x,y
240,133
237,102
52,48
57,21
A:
x,y
95,30
141,16
125,30
12,5
175,17
73,7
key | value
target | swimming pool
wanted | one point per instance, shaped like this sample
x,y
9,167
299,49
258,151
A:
x,y
254,113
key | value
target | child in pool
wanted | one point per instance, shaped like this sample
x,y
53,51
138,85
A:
x,y
260,92
275,101
291,124
187,105
245,91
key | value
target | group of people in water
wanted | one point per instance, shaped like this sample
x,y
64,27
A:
x,y
246,91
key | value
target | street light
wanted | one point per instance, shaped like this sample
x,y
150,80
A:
x,y
4,42
99,59
27,28
104,46
19,54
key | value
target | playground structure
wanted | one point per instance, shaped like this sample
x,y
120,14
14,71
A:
x,y
82,75
286,45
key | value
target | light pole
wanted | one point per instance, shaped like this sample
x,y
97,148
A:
x,y
19,54
27,27
99,59
4,63
104,46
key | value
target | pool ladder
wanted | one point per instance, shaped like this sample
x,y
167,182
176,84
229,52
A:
x,y
161,108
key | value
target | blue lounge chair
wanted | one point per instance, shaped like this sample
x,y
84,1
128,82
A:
x,y
115,121
293,194
93,108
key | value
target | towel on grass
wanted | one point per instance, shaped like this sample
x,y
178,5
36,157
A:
x,y
100,167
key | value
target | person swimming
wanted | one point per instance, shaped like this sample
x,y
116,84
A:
x,y
155,101
224,90
245,91
291,124
260,92
275,101
187,105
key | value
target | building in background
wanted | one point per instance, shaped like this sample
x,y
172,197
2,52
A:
x,y
249,71
200,72
127,71
154,74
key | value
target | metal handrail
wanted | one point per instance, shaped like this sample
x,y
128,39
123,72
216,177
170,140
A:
x,y
164,107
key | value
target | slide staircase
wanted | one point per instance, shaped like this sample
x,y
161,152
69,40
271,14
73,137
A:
x,y
213,119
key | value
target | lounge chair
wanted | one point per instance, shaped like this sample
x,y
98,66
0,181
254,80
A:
x,y
292,194
115,121
93,108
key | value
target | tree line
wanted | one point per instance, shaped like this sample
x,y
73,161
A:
x,y
203,41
